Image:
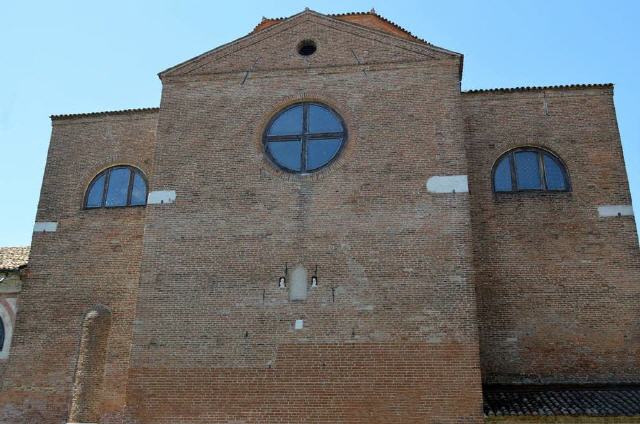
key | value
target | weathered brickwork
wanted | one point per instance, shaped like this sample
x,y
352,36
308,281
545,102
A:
x,y
179,302
93,258
557,285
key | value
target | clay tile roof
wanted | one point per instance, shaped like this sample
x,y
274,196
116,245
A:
x,y
382,18
105,113
595,401
353,17
13,258
538,88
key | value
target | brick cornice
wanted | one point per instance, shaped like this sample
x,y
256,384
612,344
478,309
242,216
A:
x,y
146,110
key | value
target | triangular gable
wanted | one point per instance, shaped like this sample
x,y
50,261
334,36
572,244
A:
x,y
339,43
367,19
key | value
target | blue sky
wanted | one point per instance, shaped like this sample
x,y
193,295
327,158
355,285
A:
x,y
83,56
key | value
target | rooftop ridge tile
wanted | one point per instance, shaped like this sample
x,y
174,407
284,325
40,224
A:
x,y
104,113
537,88
337,15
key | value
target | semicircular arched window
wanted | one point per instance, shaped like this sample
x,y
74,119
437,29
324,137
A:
x,y
529,169
304,137
1,335
118,186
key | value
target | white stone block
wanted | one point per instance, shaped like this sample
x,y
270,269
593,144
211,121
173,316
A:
x,y
45,227
448,184
160,197
297,281
606,211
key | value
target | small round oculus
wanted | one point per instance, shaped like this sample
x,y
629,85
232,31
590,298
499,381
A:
x,y
307,47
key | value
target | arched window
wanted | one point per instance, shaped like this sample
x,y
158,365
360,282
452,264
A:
x,y
115,187
1,335
7,314
529,169
304,137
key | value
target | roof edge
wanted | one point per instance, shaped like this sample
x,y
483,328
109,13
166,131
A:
x,y
105,113
372,12
562,400
14,258
16,268
539,88
411,39
162,74
560,386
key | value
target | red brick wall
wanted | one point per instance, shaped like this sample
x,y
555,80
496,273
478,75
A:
x,y
93,258
200,333
214,338
402,382
557,285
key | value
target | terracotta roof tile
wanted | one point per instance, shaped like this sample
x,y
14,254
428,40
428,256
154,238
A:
x,y
537,88
595,401
105,113
373,13
267,22
12,258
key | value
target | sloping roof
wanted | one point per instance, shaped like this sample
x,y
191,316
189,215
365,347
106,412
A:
x,y
369,21
538,88
106,113
595,401
12,258
358,18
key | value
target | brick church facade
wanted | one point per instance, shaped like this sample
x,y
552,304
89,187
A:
x,y
318,226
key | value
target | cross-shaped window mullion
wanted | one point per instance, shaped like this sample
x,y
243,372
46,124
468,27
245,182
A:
x,y
271,138
305,133
319,136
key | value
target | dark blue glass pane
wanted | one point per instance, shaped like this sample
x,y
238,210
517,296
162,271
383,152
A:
x,y
322,120
118,187
554,174
502,175
94,197
1,334
528,171
139,191
320,152
288,123
287,154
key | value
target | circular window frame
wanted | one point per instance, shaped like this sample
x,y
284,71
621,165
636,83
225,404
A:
x,y
282,110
